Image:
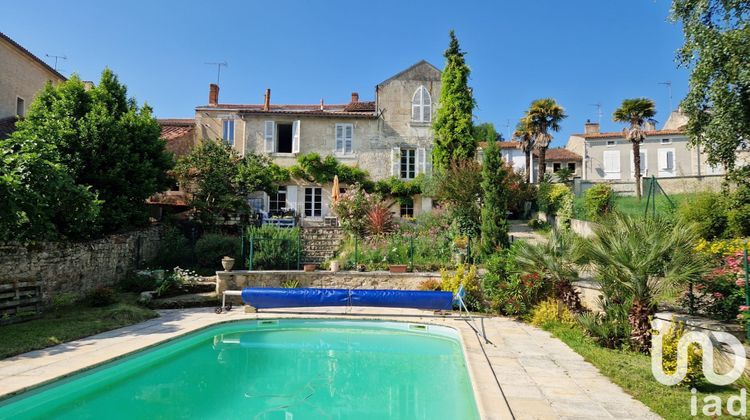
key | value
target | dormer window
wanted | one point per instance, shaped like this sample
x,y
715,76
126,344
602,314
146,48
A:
x,y
421,106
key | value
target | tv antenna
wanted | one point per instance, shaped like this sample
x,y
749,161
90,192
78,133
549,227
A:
x,y
218,65
599,113
668,84
56,57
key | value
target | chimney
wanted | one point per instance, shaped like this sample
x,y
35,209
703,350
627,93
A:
x,y
213,94
355,97
590,127
322,105
267,100
649,126
88,85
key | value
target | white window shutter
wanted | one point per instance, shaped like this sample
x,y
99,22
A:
x,y
663,160
295,136
291,197
421,160
348,137
395,161
670,160
644,164
269,127
339,138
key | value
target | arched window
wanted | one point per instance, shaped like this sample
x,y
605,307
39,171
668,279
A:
x,y
421,105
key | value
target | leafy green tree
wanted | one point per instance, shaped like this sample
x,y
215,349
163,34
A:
x,y
716,50
105,141
220,181
453,126
39,200
495,200
460,188
543,116
525,137
636,112
486,132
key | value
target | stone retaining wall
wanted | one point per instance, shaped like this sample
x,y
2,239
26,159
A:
x,y
78,267
235,280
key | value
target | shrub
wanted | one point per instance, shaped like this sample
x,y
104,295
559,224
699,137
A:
x,y
508,291
174,250
430,284
275,248
380,220
598,201
468,278
63,300
290,284
175,282
128,313
670,345
135,282
212,247
101,296
352,209
557,200
721,293
610,327
550,311
708,212
738,221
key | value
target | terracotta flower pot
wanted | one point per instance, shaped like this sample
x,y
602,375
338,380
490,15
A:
x,y
227,263
309,267
397,268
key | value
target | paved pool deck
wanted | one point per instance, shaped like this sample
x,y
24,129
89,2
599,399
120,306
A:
x,y
523,372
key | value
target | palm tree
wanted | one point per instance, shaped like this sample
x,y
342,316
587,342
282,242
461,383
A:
x,y
543,116
635,112
554,260
525,139
636,259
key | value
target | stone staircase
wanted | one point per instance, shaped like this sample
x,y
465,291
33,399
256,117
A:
x,y
319,243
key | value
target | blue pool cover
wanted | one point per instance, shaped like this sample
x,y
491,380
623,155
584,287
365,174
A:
x,y
268,297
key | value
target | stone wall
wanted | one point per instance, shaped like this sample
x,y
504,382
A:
x,y
78,267
236,280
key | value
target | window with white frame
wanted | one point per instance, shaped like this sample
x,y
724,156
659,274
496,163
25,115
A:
x,y
20,106
344,138
666,162
572,166
611,142
227,132
313,202
421,105
282,136
408,163
666,141
277,202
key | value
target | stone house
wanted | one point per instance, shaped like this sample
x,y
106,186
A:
x,y
665,153
179,133
22,76
388,136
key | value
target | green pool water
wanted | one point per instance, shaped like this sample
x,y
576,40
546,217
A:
x,y
285,369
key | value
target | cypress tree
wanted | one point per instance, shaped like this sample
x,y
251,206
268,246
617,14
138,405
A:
x,y
495,205
453,125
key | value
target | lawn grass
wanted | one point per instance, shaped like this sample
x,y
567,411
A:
x,y
631,206
70,323
632,372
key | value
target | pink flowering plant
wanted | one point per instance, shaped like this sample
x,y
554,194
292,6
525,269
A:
x,y
721,294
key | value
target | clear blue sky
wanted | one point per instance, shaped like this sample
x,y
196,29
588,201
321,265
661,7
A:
x,y
579,52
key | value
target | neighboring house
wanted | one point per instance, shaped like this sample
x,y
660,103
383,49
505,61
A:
x,y
665,153
22,76
390,136
555,159
179,133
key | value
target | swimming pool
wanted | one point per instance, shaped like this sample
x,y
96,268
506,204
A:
x,y
273,369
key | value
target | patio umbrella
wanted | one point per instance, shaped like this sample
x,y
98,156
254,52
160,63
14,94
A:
x,y
335,189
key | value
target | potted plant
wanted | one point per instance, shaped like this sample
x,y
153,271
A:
x,y
309,267
227,263
397,268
